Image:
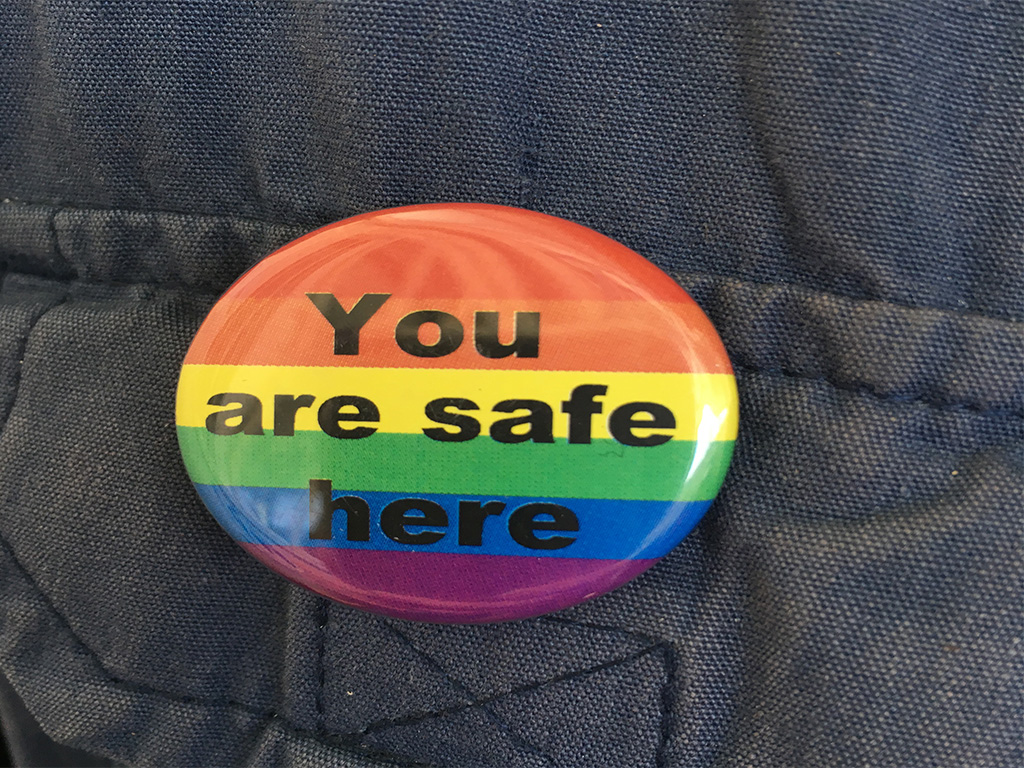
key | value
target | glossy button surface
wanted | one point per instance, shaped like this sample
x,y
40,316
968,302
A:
x,y
457,413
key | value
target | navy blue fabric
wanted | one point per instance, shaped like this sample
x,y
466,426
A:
x,y
838,184
29,745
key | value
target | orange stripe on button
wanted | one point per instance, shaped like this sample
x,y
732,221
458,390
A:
x,y
574,336
502,253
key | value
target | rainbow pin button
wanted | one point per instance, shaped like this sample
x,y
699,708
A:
x,y
457,412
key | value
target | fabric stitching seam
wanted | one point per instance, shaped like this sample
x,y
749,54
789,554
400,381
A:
x,y
296,225
346,740
21,355
323,619
571,675
666,703
488,711
669,661
981,409
933,403
327,739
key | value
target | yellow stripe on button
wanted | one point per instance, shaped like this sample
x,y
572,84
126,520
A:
x,y
704,404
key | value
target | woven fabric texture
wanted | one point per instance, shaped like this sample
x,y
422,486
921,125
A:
x,y
837,183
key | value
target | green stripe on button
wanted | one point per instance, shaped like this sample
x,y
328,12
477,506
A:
x,y
603,469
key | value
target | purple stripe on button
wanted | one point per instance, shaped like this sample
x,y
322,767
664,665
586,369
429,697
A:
x,y
434,586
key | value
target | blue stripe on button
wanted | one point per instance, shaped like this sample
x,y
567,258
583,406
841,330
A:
x,y
609,529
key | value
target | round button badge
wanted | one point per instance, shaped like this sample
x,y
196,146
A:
x,y
457,412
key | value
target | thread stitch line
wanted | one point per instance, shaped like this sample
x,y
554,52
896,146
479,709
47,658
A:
x,y
323,619
313,225
571,675
9,409
666,704
260,715
493,716
345,740
131,686
931,402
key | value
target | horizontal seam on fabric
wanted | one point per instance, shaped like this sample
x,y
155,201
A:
x,y
156,286
153,212
933,403
980,409
296,225
813,291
